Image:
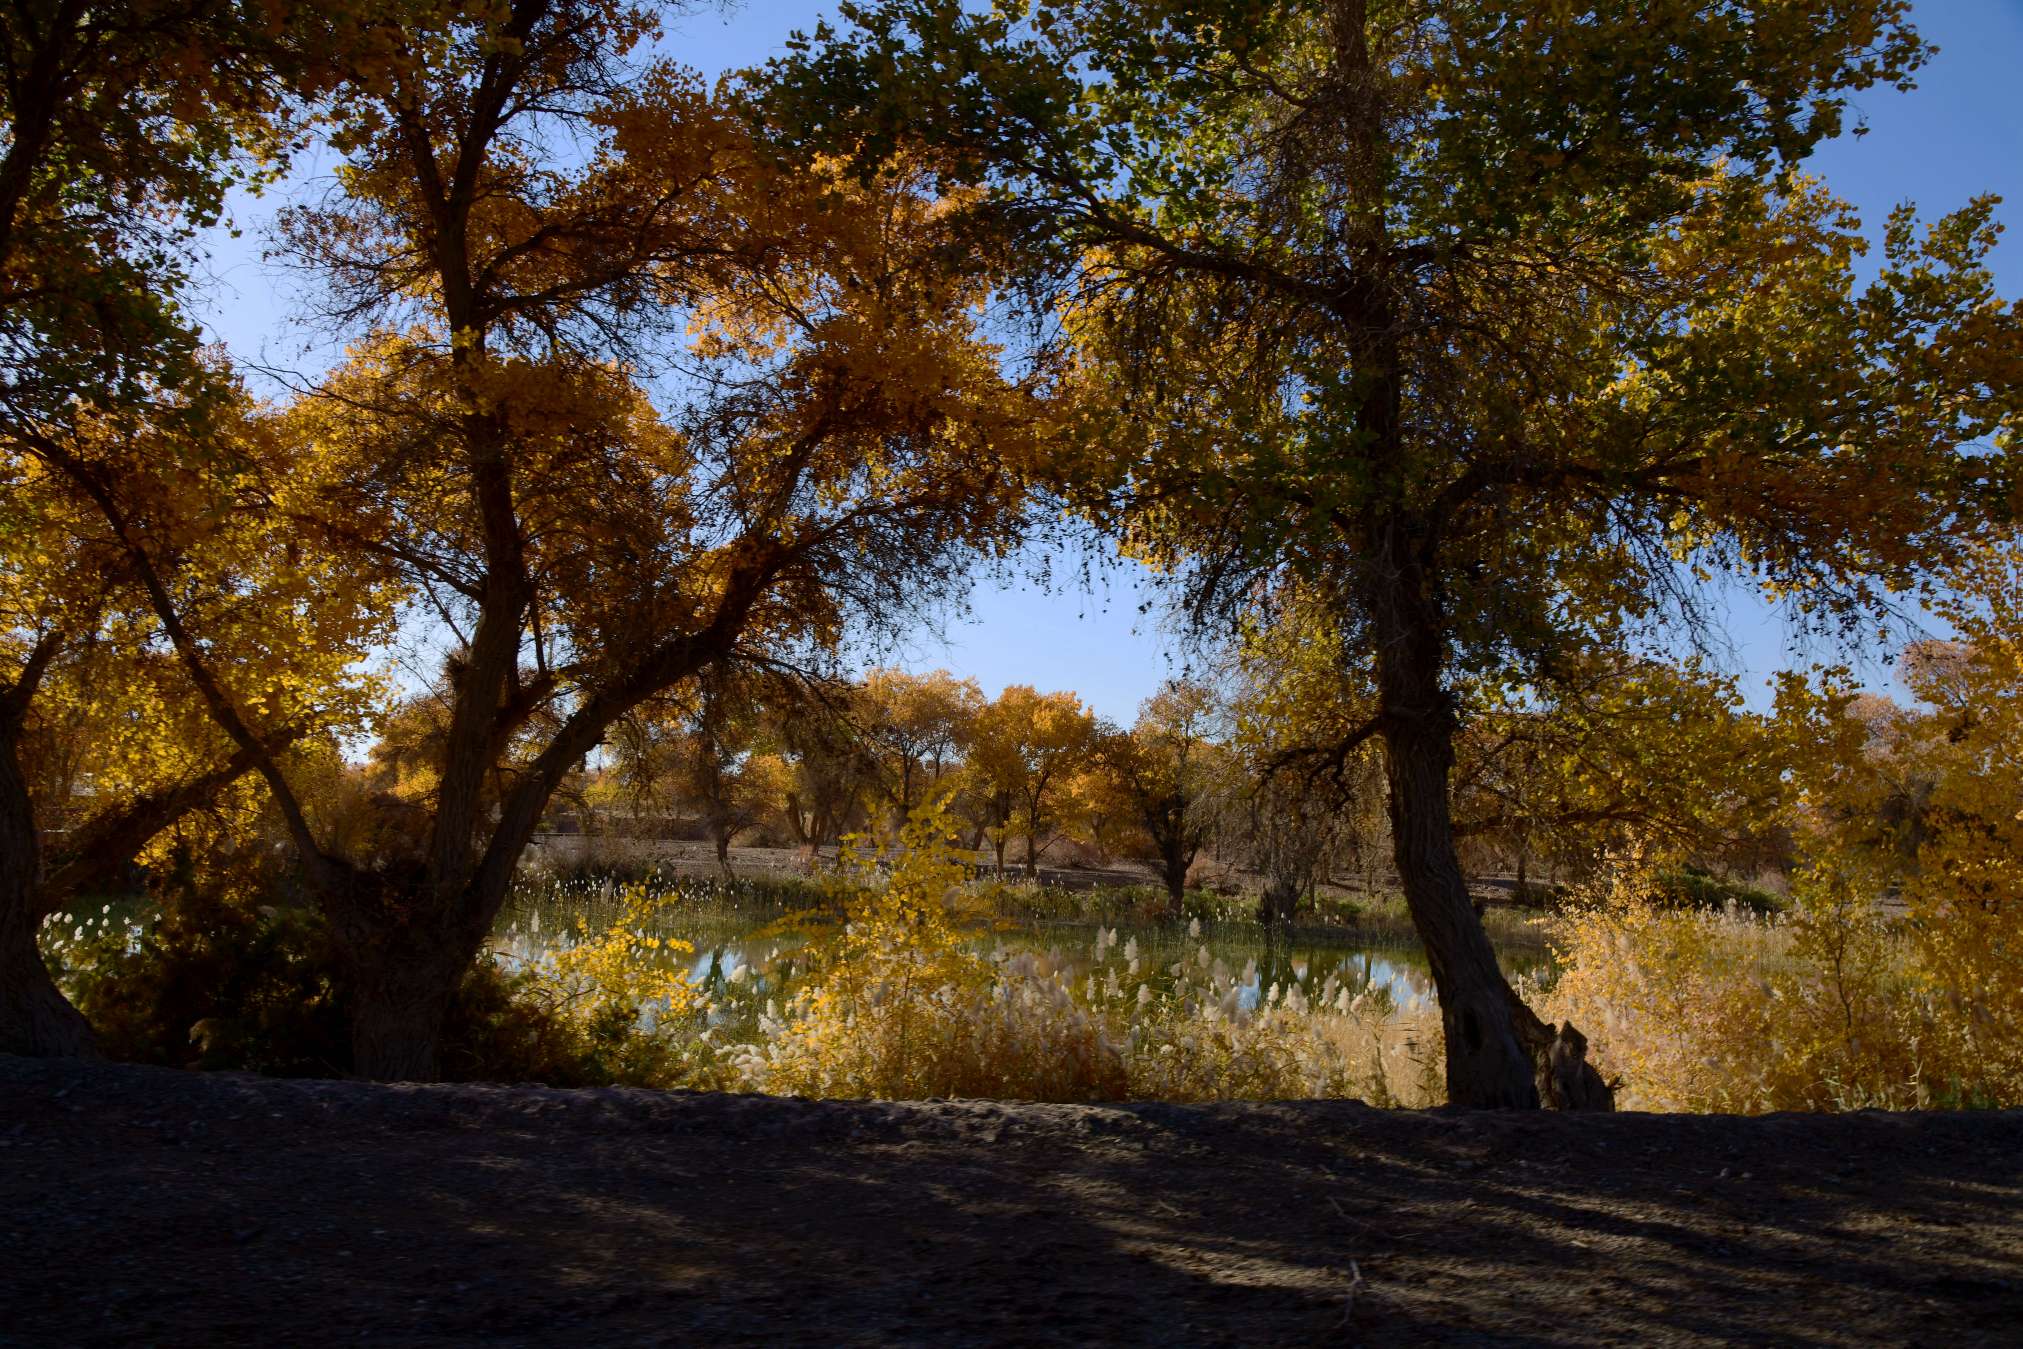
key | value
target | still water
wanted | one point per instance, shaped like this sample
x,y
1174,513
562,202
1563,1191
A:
x,y
754,943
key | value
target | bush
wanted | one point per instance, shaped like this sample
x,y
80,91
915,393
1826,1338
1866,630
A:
x,y
905,1009
1695,888
1337,910
214,981
213,978
1828,1007
902,1008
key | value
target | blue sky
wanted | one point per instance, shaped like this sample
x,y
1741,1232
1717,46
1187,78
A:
x,y
1960,132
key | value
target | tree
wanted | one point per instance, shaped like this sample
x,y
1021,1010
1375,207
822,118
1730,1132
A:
x,y
1162,773
1025,748
1615,751
840,436
985,797
702,748
1621,752
104,743
125,127
829,769
1494,326
916,725
1309,795
1926,802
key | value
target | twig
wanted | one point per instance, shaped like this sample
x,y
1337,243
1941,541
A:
x,y
1349,1298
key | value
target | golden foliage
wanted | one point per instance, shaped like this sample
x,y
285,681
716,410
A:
x,y
908,1007
1831,1008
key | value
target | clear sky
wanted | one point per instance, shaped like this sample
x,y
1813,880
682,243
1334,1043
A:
x,y
1960,132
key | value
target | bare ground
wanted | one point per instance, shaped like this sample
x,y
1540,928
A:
x,y
151,1206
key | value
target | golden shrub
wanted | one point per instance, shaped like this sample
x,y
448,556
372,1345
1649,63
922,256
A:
x,y
1830,1007
907,1007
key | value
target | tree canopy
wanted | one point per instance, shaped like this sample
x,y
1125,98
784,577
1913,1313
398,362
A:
x,y
1492,327
1441,356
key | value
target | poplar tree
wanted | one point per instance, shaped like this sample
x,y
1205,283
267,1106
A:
x,y
1499,326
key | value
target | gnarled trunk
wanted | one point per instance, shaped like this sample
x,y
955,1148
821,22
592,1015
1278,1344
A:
x,y
408,948
1499,1054
1487,1064
36,1020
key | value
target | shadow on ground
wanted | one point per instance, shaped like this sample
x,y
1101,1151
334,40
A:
x,y
153,1206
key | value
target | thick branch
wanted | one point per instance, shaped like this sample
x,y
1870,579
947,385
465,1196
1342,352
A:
x,y
328,874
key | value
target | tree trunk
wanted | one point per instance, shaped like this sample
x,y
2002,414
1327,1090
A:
x,y
1276,904
1174,871
1032,853
1487,1065
1499,1054
402,1000
36,1020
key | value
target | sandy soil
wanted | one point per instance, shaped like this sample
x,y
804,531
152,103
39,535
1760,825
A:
x,y
149,1206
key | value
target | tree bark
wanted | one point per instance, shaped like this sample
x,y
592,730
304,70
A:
x,y
402,993
1500,1055
1487,1065
36,1020
1175,867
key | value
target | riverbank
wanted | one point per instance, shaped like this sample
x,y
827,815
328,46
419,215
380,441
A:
x,y
147,1205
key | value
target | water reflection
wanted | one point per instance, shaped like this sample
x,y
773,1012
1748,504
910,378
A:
x,y
741,946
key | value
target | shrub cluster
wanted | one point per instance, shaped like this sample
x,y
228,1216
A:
x,y
1829,1007
891,989
906,1009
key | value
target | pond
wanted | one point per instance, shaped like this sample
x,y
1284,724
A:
x,y
749,937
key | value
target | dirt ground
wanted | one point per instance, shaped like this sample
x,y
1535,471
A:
x,y
145,1206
